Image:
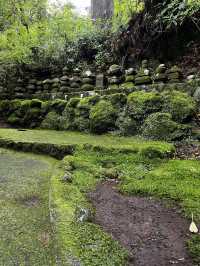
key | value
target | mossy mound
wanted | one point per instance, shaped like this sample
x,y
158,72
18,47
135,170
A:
x,y
161,126
179,105
141,103
51,121
102,117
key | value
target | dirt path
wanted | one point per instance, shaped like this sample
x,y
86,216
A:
x,y
153,234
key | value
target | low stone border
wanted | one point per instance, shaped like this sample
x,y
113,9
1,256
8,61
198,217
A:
x,y
56,151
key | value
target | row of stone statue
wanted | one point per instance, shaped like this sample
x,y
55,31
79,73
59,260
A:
x,y
115,77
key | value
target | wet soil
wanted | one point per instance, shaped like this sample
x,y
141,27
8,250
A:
x,y
154,234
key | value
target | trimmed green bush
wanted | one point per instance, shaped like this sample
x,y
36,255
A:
x,y
160,126
13,119
141,104
57,105
82,112
126,125
4,107
118,100
51,121
102,117
35,103
179,105
67,120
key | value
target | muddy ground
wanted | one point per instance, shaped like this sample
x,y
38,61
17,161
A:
x,y
153,234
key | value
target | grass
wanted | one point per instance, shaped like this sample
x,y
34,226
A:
x,y
67,137
25,230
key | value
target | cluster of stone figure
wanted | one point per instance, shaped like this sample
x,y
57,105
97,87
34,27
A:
x,y
86,83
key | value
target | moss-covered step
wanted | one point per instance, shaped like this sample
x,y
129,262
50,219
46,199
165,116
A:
x,y
25,229
66,142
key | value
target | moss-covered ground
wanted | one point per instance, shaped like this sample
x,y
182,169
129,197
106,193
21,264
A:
x,y
175,181
67,137
25,230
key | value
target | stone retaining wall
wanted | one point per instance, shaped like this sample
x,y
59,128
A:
x,y
86,83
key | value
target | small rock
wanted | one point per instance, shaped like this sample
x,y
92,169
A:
x,y
68,178
83,215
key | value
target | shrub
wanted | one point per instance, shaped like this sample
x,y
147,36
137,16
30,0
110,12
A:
x,y
51,121
13,119
67,120
160,126
141,103
58,106
126,125
179,105
32,117
82,112
35,103
25,106
4,107
14,105
118,100
102,117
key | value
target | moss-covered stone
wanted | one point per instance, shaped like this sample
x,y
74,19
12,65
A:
x,y
127,126
139,80
51,121
87,87
141,103
13,119
118,100
160,126
102,117
130,78
127,86
179,105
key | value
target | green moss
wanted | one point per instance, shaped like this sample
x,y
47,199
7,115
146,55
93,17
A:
x,y
13,119
179,105
118,100
139,80
176,180
194,248
160,126
87,87
81,139
127,85
102,117
130,78
35,103
85,242
26,233
127,125
51,121
142,103
57,106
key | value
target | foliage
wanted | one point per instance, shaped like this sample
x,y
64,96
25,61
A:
x,y
43,35
141,103
179,105
127,126
51,121
124,10
175,12
161,126
102,117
